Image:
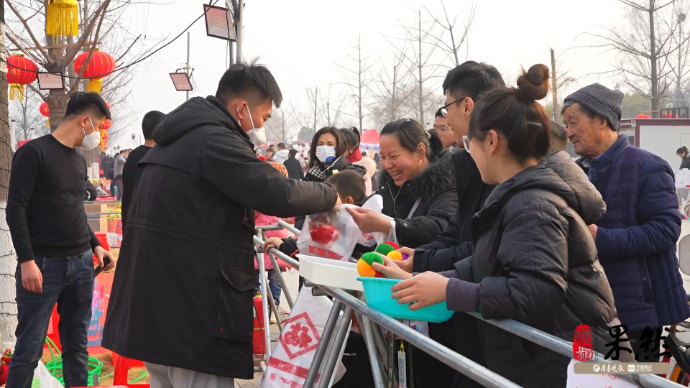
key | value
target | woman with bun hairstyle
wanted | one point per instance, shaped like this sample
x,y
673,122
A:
x,y
534,259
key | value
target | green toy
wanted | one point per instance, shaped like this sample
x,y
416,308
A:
x,y
384,249
371,258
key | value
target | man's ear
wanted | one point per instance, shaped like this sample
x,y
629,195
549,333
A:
x,y
349,201
601,122
468,105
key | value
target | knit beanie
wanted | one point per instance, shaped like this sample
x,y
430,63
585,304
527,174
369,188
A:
x,y
600,100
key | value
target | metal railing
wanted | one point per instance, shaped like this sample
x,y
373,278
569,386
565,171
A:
x,y
454,360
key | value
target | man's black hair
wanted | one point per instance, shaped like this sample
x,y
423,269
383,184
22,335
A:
x,y
151,119
87,103
251,81
292,153
682,150
348,183
471,79
438,114
281,146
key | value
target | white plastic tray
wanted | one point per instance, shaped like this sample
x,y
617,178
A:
x,y
328,272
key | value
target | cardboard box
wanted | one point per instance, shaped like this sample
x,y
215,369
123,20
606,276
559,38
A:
x,y
91,208
99,224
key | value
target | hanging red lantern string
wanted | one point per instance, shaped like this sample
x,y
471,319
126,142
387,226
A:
x,y
62,18
21,71
100,66
108,123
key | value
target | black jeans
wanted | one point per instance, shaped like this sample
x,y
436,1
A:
x,y
69,282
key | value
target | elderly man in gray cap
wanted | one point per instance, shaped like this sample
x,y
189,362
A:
x,y
636,238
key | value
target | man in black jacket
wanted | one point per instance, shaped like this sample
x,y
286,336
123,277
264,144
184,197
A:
x,y
293,166
182,297
462,87
130,173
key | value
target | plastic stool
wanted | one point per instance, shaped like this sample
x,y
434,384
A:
x,y
122,366
53,332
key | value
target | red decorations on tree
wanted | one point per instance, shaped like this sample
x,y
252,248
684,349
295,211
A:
x,y
100,66
20,71
108,123
45,111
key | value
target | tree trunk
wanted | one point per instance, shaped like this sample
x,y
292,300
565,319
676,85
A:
x,y
654,62
57,103
554,88
8,259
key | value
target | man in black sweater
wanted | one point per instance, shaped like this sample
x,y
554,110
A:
x,y
54,244
130,173
293,166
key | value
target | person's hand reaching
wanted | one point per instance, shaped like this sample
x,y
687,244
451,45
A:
x,y
423,290
369,221
391,270
406,265
273,242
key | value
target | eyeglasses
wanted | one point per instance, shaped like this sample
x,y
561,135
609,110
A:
x,y
444,109
466,143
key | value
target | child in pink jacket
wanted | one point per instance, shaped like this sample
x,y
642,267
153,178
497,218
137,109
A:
x,y
264,220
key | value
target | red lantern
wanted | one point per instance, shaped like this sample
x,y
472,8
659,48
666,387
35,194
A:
x,y
44,109
100,66
21,71
108,123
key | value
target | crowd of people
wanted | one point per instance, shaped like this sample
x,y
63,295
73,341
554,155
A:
x,y
495,217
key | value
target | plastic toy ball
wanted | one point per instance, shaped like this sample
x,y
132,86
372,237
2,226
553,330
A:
x,y
405,256
395,255
384,248
365,270
391,243
371,258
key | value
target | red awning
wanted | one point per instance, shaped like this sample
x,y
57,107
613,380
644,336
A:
x,y
370,136
22,142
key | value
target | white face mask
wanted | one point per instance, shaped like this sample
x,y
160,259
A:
x,y
256,135
325,154
91,140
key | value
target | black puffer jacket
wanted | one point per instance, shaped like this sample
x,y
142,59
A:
x,y
455,243
436,189
182,294
536,263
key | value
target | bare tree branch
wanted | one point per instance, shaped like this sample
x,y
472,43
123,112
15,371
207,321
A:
x,y
31,33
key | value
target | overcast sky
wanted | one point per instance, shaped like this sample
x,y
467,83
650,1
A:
x,y
302,41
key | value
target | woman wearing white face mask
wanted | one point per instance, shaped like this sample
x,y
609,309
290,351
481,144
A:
x,y
327,155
